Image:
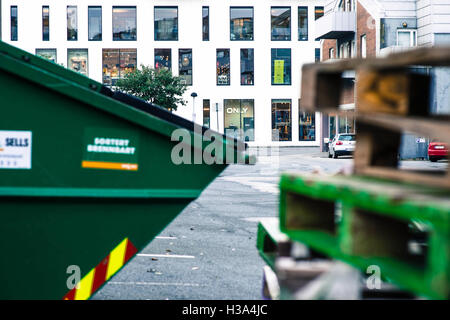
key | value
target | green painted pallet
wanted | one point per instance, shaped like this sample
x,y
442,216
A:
x,y
403,229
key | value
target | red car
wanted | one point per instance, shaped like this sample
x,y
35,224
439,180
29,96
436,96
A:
x,y
437,151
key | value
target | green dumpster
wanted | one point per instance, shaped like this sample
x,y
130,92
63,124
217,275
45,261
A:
x,y
88,177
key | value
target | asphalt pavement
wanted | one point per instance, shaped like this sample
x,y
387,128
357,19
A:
x,y
209,251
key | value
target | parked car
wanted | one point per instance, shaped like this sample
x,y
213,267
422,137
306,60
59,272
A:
x,y
437,151
341,145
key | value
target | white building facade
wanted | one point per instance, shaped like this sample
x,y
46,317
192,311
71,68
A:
x,y
243,59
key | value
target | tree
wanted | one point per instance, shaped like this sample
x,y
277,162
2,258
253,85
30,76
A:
x,y
156,86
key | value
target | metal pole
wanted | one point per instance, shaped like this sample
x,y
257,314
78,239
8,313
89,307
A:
x,y
193,95
217,114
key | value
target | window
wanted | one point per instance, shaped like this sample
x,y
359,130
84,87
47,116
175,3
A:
x,y
332,126
166,23
163,59
281,120
247,67
281,66
302,23
241,23
45,23
13,23
307,126
205,24
95,23
353,49
239,118
49,54
77,60
124,23
72,23
223,67
117,63
346,124
206,113
185,65
406,38
281,23
363,46
318,12
331,53
317,54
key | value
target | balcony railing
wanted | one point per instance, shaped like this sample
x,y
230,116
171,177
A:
x,y
336,25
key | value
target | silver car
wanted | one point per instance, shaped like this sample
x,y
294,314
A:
x,y
342,144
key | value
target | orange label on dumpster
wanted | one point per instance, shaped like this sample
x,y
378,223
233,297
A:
x,y
110,149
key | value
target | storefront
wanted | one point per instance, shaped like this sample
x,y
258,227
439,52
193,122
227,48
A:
x,y
116,63
281,120
239,118
49,54
77,60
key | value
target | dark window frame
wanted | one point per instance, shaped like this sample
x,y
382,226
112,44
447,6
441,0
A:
x,y
101,22
290,23
253,22
307,23
272,68
154,22
274,118
229,67
192,64
315,13
119,51
203,25
67,22
45,36
53,49
253,69
170,57
135,22
241,123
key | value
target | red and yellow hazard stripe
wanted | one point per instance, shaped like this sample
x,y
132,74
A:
x,y
102,272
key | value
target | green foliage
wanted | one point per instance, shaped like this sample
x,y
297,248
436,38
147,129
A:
x,y
156,86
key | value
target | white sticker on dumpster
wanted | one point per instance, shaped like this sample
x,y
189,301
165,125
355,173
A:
x,y
15,149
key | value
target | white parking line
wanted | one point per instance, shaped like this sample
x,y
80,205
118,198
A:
x,y
167,238
165,256
179,284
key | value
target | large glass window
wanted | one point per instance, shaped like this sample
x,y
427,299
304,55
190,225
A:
x,y
13,23
406,38
206,113
95,23
117,63
241,23
45,23
332,126
281,66
223,67
205,23
239,118
163,59
307,126
166,23
49,54
318,12
281,23
124,23
302,23
72,23
185,65
77,60
247,67
281,120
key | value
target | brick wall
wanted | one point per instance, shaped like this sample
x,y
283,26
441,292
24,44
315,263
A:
x,y
365,24
327,44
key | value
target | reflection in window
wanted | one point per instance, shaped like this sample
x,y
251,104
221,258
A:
x,y
332,126
124,23
302,23
239,118
281,23
307,126
166,23
223,67
117,63
185,65
241,23
317,55
318,12
13,23
72,23
281,120
346,124
77,60
45,23
163,59
49,54
206,113
281,66
205,23
95,23
247,67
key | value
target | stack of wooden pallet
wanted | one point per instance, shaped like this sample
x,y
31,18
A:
x,y
381,217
